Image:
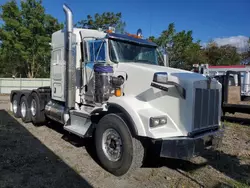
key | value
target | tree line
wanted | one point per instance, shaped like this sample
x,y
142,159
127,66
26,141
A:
x,y
25,34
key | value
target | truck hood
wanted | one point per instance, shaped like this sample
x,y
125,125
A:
x,y
179,76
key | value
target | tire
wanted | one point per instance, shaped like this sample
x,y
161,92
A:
x,y
15,107
132,150
37,115
25,110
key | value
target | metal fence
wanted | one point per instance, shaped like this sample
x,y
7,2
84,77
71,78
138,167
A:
x,y
8,84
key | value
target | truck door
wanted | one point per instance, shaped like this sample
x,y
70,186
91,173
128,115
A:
x,y
96,50
57,74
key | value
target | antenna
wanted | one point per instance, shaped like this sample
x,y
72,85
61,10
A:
x,y
150,21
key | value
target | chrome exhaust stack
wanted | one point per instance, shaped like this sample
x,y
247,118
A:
x,y
70,69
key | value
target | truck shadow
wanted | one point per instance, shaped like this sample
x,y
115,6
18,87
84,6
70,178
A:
x,y
230,165
227,164
153,160
86,143
27,162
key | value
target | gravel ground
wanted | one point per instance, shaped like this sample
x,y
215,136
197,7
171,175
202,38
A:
x,y
4,102
47,156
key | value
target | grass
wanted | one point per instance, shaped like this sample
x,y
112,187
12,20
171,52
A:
x,y
230,124
236,184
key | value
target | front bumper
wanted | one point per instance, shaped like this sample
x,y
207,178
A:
x,y
185,147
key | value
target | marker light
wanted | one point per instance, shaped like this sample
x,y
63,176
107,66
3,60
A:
x,y
118,92
110,30
135,36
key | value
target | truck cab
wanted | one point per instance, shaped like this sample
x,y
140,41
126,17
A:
x,y
113,87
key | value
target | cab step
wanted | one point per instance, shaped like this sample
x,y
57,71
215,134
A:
x,y
79,123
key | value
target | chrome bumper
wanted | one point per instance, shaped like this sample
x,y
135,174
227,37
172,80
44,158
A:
x,y
186,147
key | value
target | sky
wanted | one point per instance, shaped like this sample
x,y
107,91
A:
x,y
225,21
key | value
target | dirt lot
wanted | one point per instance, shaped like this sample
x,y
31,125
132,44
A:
x,y
47,156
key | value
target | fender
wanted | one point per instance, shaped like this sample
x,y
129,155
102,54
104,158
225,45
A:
x,y
113,107
129,106
44,94
19,94
139,113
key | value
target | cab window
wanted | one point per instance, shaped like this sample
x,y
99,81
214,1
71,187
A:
x,y
97,51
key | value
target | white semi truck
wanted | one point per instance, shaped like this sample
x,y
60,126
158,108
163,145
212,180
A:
x,y
111,87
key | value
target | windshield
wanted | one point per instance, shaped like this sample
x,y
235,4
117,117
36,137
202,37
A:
x,y
123,51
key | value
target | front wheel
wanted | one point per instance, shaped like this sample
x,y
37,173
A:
x,y
116,149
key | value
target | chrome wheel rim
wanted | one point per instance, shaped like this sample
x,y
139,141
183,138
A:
x,y
14,106
112,144
23,109
33,107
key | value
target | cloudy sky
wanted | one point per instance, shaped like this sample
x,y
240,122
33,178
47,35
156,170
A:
x,y
240,42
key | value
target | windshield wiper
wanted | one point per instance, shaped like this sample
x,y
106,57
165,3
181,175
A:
x,y
143,61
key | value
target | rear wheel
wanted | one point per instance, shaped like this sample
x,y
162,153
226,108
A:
x,y
118,152
16,107
25,110
37,113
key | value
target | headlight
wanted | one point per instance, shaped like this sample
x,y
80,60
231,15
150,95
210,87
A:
x,y
157,121
161,77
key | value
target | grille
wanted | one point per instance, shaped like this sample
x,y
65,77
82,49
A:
x,y
206,108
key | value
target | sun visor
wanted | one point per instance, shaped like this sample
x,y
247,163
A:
x,y
128,38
